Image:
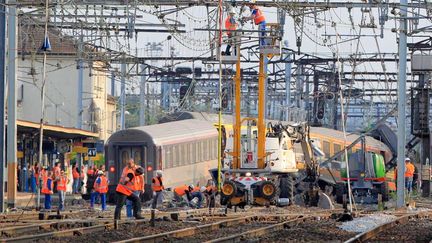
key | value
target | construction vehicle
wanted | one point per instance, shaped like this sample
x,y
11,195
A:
x,y
259,164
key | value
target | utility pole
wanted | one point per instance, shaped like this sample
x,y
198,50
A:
x,y
401,105
287,82
142,96
2,99
80,83
113,84
11,108
122,96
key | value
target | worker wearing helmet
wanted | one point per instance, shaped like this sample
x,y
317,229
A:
x,y
258,18
183,192
409,174
230,25
100,189
125,190
157,187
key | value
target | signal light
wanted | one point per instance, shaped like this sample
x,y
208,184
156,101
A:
x,y
112,169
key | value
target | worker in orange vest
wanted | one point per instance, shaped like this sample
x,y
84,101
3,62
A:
x,y
258,18
56,175
409,174
230,25
100,189
157,187
47,188
76,179
62,182
183,192
139,183
129,168
125,190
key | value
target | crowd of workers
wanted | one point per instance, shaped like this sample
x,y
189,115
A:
x,y
131,187
55,180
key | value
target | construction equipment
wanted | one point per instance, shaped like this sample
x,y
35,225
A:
x,y
259,164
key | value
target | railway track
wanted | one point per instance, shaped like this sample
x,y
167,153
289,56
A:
x,y
228,230
52,229
414,227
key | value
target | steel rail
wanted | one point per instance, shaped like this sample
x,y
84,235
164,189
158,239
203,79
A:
x,y
260,231
386,226
71,232
189,231
81,230
14,230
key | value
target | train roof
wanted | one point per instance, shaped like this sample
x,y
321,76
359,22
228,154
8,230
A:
x,y
326,132
351,137
167,133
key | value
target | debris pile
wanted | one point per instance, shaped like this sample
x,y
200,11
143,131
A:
x,y
366,223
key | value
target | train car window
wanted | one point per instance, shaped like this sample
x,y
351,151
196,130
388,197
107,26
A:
x,y
167,157
189,152
125,158
326,149
209,149
204,150
184,154
214,148
195,151
200,151
192,151
173,156
337,148
137,157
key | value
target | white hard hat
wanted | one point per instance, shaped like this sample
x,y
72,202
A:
x,y
100,172
191,186
232,11
159,173
407,159
202,189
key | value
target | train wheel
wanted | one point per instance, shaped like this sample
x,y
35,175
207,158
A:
x,y
268,190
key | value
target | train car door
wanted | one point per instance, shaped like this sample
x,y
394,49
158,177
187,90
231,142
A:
x,y
137,153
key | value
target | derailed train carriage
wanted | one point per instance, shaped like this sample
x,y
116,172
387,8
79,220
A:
x,y
185,150
332,172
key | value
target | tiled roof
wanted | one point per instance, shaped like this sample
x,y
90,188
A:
x,y
31,36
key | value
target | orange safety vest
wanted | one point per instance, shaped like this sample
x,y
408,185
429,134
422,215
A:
x,y
126,171
101,187
258,16
90,172
229,26
75,173
157,186
181,190
211,189
127,189
139,182
61,184
409,170
45,189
